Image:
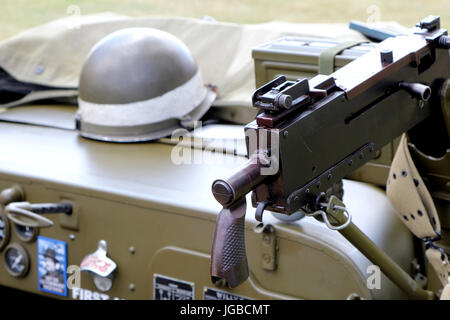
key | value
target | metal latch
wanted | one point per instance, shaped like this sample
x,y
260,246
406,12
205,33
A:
x,y
30,214
269,246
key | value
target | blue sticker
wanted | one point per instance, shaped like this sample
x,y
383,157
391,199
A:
x,y
52,266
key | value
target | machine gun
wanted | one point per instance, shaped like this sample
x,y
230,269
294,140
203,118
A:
x,y
309,135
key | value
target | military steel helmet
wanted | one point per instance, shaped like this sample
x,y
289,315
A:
x,y
139,84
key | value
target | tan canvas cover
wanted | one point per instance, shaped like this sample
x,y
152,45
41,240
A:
x,y
52,54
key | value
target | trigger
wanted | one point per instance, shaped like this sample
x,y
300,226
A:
x,y
260,210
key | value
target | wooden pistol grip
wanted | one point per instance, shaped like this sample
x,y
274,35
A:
x,y
228,254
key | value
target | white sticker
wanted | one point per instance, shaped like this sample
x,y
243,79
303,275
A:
x,y
165,288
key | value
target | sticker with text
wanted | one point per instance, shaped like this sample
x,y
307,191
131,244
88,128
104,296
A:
x,y
165,288
213,294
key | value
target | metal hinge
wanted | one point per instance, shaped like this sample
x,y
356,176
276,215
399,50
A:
x,y
269,246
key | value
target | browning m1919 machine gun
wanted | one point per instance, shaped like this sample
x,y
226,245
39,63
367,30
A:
x,y
311,134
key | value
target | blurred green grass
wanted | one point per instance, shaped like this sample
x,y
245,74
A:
x,y
18,15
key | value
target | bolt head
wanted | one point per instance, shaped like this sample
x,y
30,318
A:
x,y
387,56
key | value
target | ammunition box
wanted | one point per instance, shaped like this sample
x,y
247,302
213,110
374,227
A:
x,y
299,57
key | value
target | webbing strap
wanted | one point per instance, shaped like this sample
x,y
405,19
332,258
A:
x,y
439,261
410,197
326,57
415,207
445,295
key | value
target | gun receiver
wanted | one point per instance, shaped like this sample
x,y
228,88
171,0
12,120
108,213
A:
x,y
311,134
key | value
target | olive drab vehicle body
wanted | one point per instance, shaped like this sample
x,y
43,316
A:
x,y
90,219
